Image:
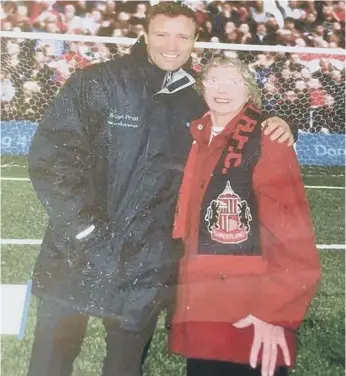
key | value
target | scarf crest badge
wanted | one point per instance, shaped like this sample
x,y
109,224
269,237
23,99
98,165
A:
x,y
228,217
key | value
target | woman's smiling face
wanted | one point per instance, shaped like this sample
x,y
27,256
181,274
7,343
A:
x,y
225,90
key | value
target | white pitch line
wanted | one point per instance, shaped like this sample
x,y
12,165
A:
x,y
39,241
331,246
15,179
20,241
322,187
306,186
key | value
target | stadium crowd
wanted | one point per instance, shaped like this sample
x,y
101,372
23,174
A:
x,y
292,23
32,71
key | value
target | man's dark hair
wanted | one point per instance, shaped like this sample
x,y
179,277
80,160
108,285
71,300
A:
x,y
261,24
170,9
290,20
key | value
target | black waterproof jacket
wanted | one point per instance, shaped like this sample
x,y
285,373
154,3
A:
x,y
110,153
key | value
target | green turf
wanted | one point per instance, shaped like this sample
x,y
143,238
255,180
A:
x,y
321,349
22,214
328,214
15,167
321,175
321,338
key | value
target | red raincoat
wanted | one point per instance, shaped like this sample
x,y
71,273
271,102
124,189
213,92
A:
x,y
215,291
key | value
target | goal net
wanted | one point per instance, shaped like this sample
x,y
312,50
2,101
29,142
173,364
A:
x,y
304,85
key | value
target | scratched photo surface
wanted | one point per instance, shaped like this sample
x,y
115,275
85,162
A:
x,y
305,87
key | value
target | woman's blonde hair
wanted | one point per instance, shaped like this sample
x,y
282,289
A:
x,y
248,77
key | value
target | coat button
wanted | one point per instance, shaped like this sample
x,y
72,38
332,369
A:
x,y
199,127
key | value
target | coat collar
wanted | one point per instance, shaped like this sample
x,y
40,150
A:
x,y
179,81
201,128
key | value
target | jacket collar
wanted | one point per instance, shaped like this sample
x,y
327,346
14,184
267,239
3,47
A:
x,y
200,129
180,79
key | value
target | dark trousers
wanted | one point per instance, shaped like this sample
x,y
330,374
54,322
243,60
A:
x,y
59,336
201,367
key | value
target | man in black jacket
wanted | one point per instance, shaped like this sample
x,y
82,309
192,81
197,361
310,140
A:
x,y
106,163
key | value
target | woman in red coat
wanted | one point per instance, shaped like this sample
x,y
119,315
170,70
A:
x,y
251,267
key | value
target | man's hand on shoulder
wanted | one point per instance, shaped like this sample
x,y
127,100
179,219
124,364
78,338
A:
x,y
278,129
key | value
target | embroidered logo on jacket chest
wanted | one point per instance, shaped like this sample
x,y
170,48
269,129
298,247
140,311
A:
x,y
228,217
126,120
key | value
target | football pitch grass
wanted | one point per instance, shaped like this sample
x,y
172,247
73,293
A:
x,y
321,350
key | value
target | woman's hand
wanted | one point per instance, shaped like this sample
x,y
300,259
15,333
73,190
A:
x,y
270,337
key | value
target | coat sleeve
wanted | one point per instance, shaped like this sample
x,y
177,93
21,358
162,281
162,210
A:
x,y
284,293
60,162
180,225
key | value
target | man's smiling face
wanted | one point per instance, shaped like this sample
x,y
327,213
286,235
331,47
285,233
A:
x,y
170,41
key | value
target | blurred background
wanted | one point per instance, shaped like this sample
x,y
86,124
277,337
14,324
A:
x,y
32,71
